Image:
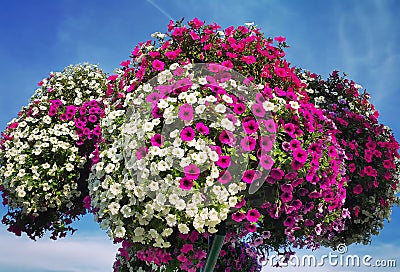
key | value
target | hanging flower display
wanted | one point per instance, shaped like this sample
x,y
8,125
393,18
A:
x,y
203,131
44,152
372,157
189,145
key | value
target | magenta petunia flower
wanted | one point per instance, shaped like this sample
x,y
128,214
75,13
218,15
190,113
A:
x,y
186,248
370,171
186,184
223,161
358,189
300,155
250,126
153,98
158,65
289,221
70,110
157,112
216,148
191,171
248,143
157,140
225,177
251,227
227,137
332,152
52,110
286,196
258,110
92,118
240,204
296,165
287,188
202,128
249,59
295,144
187,134
290,129
63,117
277,173
186,112
388,164
252,215
250,175
141,152
239,108
266,162
238,216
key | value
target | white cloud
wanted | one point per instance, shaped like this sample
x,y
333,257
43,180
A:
x,y
78,253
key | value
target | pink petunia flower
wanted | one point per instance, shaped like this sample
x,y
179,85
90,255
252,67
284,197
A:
x,y
286,196
186,112
157,140
185,184
191,171
238,216
239,108
223,161
250,126
125,63
289,222
92,118
277,173
249,176
248,143
187,134
251,227
227,137
280,39
141,152
266,162
158,65
225,177
186,248
249,59
153,98
202,128
300,155
253,215
258,110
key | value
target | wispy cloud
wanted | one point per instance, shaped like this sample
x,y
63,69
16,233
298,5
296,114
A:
x,y
151,2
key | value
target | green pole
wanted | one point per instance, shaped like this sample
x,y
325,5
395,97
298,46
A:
x,y
213,255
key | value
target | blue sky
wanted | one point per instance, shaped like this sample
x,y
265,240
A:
x,y
359,37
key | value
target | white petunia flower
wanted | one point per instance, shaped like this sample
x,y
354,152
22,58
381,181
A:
x,y
268,106
183,228
119,232
220,108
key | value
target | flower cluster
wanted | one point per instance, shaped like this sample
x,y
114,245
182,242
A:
x,y
372,158
190,251
44,152
181,144
186,148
